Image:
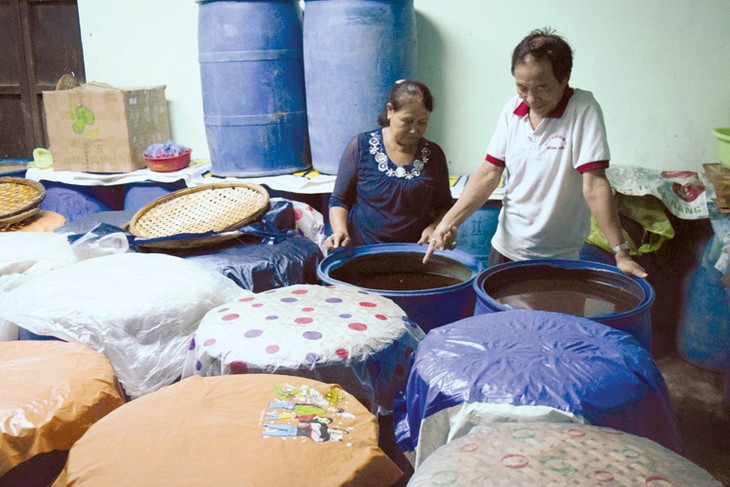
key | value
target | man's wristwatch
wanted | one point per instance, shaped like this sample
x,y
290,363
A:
x,y
622,246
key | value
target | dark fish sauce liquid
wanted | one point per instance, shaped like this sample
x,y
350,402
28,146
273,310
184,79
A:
x,y
576,297
402,281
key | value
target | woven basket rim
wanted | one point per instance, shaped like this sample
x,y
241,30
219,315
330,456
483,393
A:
x,y
28,202
176,196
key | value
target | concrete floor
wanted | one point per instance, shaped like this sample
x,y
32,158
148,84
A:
x,y
697,398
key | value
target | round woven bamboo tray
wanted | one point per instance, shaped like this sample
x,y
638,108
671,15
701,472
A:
x,y
20,198
193,213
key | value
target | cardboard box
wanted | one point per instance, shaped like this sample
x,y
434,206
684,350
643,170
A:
x,y
98,128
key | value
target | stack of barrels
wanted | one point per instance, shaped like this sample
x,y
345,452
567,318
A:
x,y
285,88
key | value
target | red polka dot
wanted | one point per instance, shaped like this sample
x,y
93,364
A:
x,y
239,367
297,214
381,317
342,353
307,310
408,351
243,300
230,317
470,448
303,320
257,305
399,370
209,342
367,304
272,349
300,291
515,461
603,476
654,480
358,326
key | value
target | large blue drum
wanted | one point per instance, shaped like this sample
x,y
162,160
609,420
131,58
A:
x,y
591,290
252,76
353,53
432,295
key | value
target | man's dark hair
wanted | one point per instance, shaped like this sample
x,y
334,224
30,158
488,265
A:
x,y
545,44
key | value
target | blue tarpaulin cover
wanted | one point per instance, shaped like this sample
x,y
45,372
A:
x,y
538,358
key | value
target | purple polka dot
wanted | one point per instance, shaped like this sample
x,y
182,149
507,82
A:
x,y
289,300
312,335
192,344
198,365
312,357
272,317
346,315
253,333
223,310
333,300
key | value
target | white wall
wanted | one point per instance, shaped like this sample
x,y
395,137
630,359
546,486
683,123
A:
x,y
659,68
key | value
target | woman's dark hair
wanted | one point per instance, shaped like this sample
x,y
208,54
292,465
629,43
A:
x,y
401,93
545,44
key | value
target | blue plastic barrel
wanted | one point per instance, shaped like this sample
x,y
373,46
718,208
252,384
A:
x,y
475,234
252,76
353,53
703,338
137,195
429,308
74,201
592,290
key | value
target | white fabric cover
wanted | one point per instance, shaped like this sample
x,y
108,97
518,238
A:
x,y
140,310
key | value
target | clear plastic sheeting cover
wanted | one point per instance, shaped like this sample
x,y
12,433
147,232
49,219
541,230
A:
x,y
26,253
339,334
537,358
52,392
140,310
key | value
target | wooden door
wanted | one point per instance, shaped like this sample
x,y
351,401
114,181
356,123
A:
x,y
40,40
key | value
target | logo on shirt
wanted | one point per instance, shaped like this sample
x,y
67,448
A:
x,y
555,142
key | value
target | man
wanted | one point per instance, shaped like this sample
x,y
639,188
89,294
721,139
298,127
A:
x,y
551,141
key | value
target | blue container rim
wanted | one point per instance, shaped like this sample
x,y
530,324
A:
x,y
339,257
647,291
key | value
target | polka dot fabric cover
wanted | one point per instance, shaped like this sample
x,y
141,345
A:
x,y
337,334
556,454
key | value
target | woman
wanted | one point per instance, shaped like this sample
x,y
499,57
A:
x,y
392,184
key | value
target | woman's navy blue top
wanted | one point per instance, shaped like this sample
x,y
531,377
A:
x,y
387,203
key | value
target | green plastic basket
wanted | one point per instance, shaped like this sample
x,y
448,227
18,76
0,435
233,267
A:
x,y
723,141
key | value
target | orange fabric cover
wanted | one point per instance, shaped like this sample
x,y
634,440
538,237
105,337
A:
x,y
50,393
210,431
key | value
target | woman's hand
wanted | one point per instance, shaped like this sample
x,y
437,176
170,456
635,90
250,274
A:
x,y
336,240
